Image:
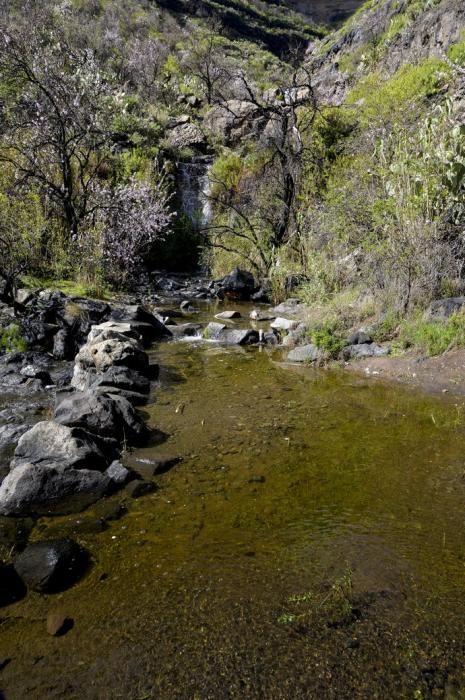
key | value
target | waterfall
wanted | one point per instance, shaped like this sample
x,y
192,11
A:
x,y
192,190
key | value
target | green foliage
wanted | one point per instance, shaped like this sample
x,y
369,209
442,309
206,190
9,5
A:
x,y
327,338
434,337
387,328
226,174
386,101
11,339
22,226
456,52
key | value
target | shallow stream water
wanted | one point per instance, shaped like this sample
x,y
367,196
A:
x,y
311,544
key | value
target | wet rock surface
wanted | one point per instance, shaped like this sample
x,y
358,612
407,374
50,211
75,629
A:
x,y
48,488
305,353
51,566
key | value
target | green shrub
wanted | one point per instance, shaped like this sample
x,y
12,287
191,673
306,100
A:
x,y
456,53
11,339
434,337
386,100
328,339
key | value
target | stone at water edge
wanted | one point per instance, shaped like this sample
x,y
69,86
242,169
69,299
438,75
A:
x,y
296,336
117,473
284,324
228,315
259,315
104,415
138,488
186,330
51,566
288,308
50,489
239,285
238,336
135,315
213,330
148,468
58,624
48,441
186,306
305,353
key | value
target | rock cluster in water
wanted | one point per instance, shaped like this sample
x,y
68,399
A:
x,y
65,464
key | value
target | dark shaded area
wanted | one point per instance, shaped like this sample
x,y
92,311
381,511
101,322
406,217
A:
x,y
12,588
278,31
328,12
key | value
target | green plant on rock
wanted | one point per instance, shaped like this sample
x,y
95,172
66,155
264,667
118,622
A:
x,y
327,338
385,102
11,339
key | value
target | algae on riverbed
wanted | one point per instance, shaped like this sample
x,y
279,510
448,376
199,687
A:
x,y
290,480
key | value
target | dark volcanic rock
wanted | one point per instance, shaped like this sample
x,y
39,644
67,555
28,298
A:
x,y
51,566
305,353
48,488
443,308
105,415
354,352
122,378
138,488
145,323
49,441
239,284
12,587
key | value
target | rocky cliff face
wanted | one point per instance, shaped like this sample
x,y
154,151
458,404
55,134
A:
x,y
383,36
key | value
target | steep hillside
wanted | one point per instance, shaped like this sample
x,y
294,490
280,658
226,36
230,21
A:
x,y
274,25
380,38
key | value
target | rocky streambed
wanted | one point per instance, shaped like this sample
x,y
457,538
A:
x,y
299,533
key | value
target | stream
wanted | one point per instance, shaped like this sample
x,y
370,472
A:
x,y
311,544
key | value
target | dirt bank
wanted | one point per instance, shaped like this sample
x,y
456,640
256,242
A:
x,y
442,374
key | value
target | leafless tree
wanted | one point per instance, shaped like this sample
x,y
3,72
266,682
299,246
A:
x,y
55,121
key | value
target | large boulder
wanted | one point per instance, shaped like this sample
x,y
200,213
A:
x,y
49,488
186,330
100,355
117,378
238,285
51,566
48,441
230,336
148,326
238,336
112,330
104,415
234,120
79,314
